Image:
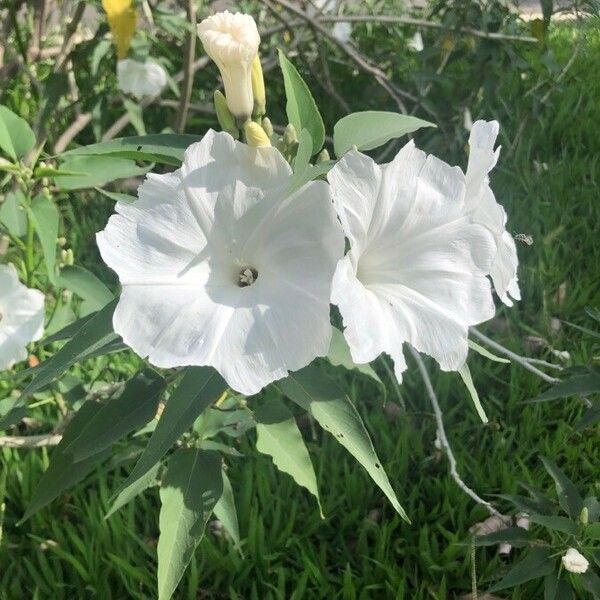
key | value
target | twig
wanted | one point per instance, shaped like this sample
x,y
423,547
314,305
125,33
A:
x,y
68,40
188,68
441,432
69,134
521,360
27,442
361,61
488,35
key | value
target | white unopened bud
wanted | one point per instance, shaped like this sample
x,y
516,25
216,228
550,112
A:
x,y
574,562
232,40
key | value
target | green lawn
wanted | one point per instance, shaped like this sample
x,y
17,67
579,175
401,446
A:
x,y
549,184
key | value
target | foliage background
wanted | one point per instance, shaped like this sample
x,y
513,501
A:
x,y
546,97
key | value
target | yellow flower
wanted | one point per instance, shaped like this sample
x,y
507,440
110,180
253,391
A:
x,y
122,19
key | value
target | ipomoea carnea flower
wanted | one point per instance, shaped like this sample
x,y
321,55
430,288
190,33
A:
x,y
417,265
574,562
416,42
122,19
141,79
221,266
484,209
232,40
342,31
21,317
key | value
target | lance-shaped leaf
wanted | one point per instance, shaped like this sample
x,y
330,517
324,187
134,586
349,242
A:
x,y
12,214
537,562
372,128
120,415
568,497
465,374
197,390
44,215
301,108
278,436
561,524
318,394
191,488
581,384
86,285
167,148
94,335
137,487
226,512
63,471
515,536
339,356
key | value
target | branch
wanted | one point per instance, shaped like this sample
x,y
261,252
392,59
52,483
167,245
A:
x,y
521,360
441,433
27,442
188,68
488,35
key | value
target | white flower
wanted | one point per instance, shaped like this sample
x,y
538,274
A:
x,y
416,42
141,79
232,41
21,317
417,265
484,209
574,562
342,31
220,266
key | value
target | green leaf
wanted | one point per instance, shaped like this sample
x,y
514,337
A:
x,y
93,335
63,471
556,588
301,109
197,390
117,196
167,148
278,436
485,352
134,489
311,173
134,110
536,563
68,331
303,153
16,137
318,394
591,581
372,128
561,524
568,496
590,417
339,356
515,536
45,217
578,385
86,285
120,415
593,531
13,215
226,512
191,488
96,171
465,375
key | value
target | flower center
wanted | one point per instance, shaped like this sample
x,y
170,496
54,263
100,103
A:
x,y
247,276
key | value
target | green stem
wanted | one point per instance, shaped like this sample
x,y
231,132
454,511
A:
x,y
29,252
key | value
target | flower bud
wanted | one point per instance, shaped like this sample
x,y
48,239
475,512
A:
x,y
323,156
267,126
584,516
255,135
232,41
224,116
122,19
574,562
289,135
258,88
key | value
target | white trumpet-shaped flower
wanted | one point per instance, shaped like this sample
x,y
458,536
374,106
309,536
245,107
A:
x,y
141,79
232,40
574,562
484,209
221,266
417,265
21,317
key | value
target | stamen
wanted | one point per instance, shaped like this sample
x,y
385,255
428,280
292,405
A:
x,y
247,276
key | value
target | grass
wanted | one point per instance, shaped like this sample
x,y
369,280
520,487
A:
x,y
362,550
